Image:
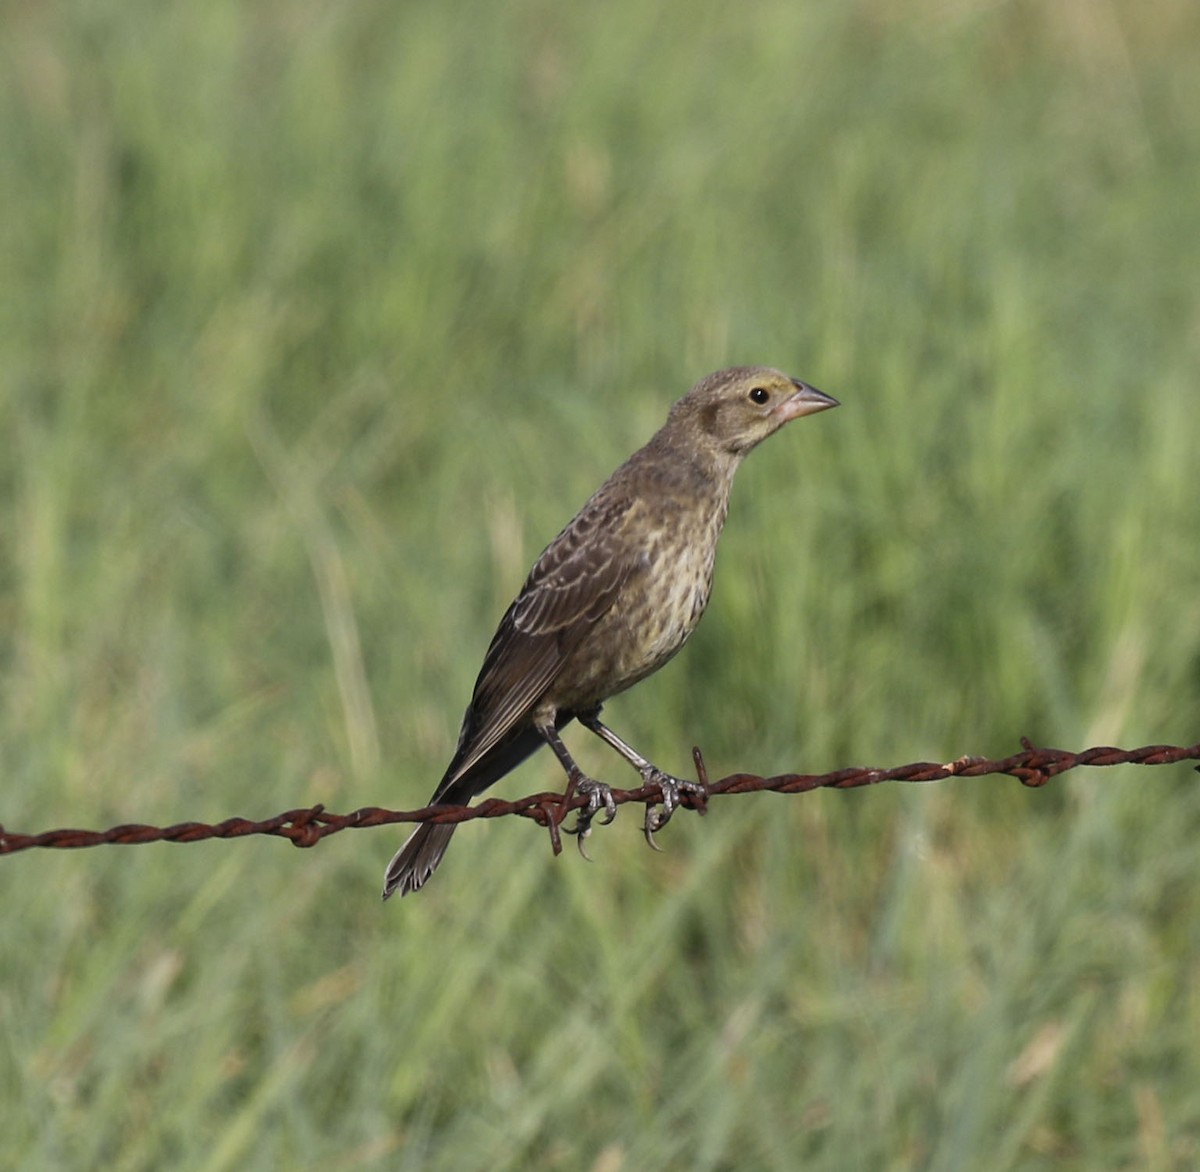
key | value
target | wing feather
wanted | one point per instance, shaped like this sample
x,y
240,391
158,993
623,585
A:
x,y
571,587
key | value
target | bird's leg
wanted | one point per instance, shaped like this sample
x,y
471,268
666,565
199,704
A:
x,y
670,787
598,794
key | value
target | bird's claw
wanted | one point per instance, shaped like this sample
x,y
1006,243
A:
x,y
598,794
671,788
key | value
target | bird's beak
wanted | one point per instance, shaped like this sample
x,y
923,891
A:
x,y
806,401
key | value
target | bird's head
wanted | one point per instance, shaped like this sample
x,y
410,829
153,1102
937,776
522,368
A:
x,y
731,411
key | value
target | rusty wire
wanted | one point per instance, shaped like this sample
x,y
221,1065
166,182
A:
x,y
1033,766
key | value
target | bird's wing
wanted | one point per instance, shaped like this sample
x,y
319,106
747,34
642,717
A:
x,y
571,586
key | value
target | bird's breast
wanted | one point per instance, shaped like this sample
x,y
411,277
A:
x,y
655,611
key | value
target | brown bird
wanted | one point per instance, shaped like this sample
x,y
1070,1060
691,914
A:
x,y
611,599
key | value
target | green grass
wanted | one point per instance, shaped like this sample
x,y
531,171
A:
x,y
318,322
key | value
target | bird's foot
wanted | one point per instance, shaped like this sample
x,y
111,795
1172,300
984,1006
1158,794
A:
x,y
671,788
598,794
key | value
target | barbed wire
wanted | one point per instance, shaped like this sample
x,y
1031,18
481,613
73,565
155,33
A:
x,y
1033,766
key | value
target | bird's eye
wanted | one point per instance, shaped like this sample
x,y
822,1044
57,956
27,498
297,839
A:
x,y
759,395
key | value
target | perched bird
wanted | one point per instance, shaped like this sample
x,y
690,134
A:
x,y
611,599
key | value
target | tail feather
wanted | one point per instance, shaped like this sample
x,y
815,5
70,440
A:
x,y
417,859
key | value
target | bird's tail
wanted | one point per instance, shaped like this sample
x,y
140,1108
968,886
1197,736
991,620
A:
x,y
417,859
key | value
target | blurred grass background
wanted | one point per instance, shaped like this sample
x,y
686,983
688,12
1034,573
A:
x,y
319,320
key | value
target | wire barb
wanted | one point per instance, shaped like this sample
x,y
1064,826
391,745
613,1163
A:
x,y
1034,766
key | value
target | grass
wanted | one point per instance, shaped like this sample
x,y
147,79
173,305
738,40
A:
x,y
320,321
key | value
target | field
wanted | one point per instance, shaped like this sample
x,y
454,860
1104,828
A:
x,y
318,321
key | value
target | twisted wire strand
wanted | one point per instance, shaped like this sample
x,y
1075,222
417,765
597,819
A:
x,y
305,827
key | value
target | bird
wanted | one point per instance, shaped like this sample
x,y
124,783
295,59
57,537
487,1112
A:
x,y
609,601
